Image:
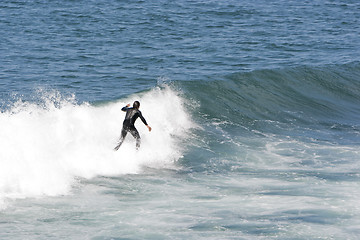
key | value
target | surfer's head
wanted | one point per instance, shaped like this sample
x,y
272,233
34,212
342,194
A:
x,y
136,104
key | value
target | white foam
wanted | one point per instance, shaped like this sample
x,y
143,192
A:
x,y
44,149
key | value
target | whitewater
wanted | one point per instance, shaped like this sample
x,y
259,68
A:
x,y
59,141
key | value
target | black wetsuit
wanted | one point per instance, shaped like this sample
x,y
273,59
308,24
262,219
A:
x,y
128,125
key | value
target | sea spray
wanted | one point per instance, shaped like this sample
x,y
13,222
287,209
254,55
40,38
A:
x,y
48,144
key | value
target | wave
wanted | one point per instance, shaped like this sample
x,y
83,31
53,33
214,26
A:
x,y
301,96
255,120
291,120
48,145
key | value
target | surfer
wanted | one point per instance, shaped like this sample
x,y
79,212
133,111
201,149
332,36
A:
x,y
128,125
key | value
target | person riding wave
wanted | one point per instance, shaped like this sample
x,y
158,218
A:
x,y
128,125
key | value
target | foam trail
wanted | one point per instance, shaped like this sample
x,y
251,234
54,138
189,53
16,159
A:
x,y
45,148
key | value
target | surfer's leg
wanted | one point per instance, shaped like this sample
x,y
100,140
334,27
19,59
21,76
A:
x,y
121,140
136,135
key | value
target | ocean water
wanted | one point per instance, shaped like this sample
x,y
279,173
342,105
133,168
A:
x,y
254,106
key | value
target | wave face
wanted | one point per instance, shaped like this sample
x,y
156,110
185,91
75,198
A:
x,y
298,97
292,118
58,141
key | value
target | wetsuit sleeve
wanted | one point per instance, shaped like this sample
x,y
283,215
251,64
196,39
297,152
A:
x,y
142,118
124,109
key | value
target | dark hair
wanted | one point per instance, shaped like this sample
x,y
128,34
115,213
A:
x,y
136,104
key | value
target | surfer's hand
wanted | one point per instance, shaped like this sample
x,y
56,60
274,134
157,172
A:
x,y
128,105
149,128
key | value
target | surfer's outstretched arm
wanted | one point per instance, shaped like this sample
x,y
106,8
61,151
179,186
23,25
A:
x,y
144,121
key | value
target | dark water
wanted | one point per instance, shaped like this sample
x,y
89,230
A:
x,y
254,105
102,49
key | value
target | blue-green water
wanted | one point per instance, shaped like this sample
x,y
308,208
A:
x,y
254,106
